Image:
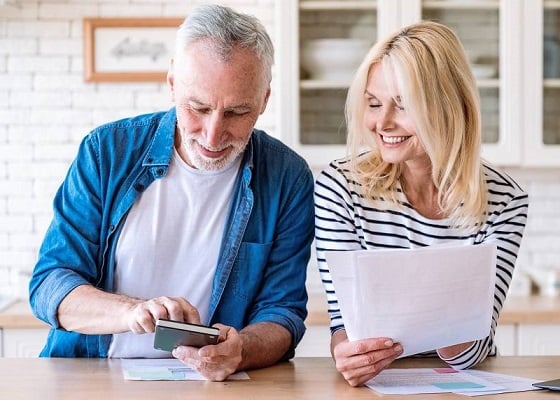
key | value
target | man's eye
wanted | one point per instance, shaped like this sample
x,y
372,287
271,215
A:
x,y
235,113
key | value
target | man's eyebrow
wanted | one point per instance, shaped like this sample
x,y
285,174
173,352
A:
x,y
237,107
197,102
242,106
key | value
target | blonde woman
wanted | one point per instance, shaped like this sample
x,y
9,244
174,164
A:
x,y
414,177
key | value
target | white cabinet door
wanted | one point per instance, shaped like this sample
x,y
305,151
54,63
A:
x,y
315,343
23,342
311,104
514,44
505,339
538,340
542,83
490,32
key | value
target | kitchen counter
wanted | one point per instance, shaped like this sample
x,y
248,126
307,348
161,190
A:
x,y
18,315
517,310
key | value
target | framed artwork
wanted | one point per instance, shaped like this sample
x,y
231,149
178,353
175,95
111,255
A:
x,y
128,49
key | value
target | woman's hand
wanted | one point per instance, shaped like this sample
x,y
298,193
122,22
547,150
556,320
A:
x,y
361,360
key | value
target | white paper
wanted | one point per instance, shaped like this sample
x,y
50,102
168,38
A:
x,y
509,382
164,369
424,298
428,380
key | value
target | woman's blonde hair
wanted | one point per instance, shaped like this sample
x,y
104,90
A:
x,y
439,93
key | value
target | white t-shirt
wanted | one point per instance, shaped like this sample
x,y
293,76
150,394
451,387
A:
x,y
170,243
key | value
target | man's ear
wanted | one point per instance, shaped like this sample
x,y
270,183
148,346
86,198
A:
x,y
266,97
171,80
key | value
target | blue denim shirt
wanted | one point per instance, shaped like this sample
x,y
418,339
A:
x,y
265,249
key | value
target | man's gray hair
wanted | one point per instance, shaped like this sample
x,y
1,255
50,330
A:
x,y
226,29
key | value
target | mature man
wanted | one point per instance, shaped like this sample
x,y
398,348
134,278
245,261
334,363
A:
x,y
190,214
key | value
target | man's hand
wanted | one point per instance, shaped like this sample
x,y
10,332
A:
x,y
361,360
142,316
89,310
214,362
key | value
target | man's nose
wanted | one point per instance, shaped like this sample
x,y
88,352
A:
x,y
214,129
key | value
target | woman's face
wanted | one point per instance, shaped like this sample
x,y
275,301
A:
x,y
388,121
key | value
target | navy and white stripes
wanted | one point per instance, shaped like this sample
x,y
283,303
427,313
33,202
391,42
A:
x,y
344,220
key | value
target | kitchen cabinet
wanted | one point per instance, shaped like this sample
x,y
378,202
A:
x,y
528,339
21,334
489,31
316,342
538,339
541,64
23,342
311,110
528,326
513,46
511,339
506,339
522,339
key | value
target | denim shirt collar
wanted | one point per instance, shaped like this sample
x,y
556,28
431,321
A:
x,y
160,151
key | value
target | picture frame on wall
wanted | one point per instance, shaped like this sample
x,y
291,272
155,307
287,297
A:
x,y
128,49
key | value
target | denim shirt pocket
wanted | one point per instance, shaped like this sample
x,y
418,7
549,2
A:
x,y
249,269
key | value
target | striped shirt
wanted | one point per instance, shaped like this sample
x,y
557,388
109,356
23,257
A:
x,y
345,220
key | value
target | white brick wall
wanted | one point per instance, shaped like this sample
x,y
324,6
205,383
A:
x,y
46,108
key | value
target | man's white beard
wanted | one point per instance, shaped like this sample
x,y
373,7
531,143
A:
x,y
190,145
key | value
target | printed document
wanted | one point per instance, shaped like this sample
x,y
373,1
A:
x,y
164,369
428,380
509,382
440,380
424,298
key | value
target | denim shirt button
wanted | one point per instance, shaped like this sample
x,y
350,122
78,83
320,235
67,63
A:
x,y
138,187
159,171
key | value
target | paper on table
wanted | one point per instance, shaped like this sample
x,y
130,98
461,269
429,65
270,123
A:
x,y
428,380
509,382
164,369
424,298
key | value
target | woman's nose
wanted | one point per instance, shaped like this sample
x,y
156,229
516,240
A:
x,y
385,119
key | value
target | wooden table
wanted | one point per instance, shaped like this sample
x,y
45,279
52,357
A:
x,y
302,378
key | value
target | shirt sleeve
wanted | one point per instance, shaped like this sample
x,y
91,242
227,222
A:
x,y
334,230
282,296
508,206
67,257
